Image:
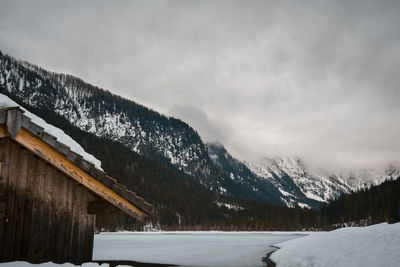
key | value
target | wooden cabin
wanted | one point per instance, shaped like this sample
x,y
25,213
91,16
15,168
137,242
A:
x,y
49,195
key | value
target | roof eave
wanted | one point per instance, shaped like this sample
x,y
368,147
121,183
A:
x,y
43,143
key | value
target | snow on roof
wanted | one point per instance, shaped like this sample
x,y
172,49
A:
x,y
6,102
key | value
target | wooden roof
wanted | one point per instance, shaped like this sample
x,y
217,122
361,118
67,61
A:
x,y
18,127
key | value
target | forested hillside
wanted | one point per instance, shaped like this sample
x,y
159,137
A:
x,y
181,203
377,204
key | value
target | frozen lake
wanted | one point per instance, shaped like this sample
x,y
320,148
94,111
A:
x,y
189,248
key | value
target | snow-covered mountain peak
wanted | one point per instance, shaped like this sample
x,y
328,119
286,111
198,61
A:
x,y
291,166
358,179
296,182
278,180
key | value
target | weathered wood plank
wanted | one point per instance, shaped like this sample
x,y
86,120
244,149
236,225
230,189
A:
x,y
22,166
86,165
30,187
49,139
5,161
45,214
70,216
55,218
86,230
56,210
14,121
25,121
11,202
4,158
3,116
35,129
62,203
13,185
82,196
38,214
81,223
89,236
75,226
74,157
47,221
63,149
60,233
89,231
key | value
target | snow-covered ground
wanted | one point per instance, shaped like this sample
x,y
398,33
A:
x,y
376,245
50,264
189,249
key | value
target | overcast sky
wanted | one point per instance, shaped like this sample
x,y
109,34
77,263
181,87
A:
x,y
314,79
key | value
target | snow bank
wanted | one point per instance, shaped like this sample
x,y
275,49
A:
x,y
50,264
376,245
6,102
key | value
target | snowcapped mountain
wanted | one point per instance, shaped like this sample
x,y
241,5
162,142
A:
x,y
281,181
359,179
296,183
259,189
316,185
268,179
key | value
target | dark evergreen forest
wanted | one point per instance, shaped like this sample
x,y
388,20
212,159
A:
x,y
181,203
377,204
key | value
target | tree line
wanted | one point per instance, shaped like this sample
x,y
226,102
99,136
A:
x,y
182,203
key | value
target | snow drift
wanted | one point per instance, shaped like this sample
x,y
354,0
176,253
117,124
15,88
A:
x,y
376,245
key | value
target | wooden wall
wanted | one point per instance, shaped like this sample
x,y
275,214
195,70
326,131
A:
x,y
43,213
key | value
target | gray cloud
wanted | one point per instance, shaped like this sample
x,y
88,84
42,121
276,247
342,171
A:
x,y
312,79
212,130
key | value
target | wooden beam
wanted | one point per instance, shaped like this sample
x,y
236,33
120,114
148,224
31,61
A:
x,y
14,121
49,154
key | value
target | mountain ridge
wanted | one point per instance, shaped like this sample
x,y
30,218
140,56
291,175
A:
x,y
107,115
284,181
299,183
